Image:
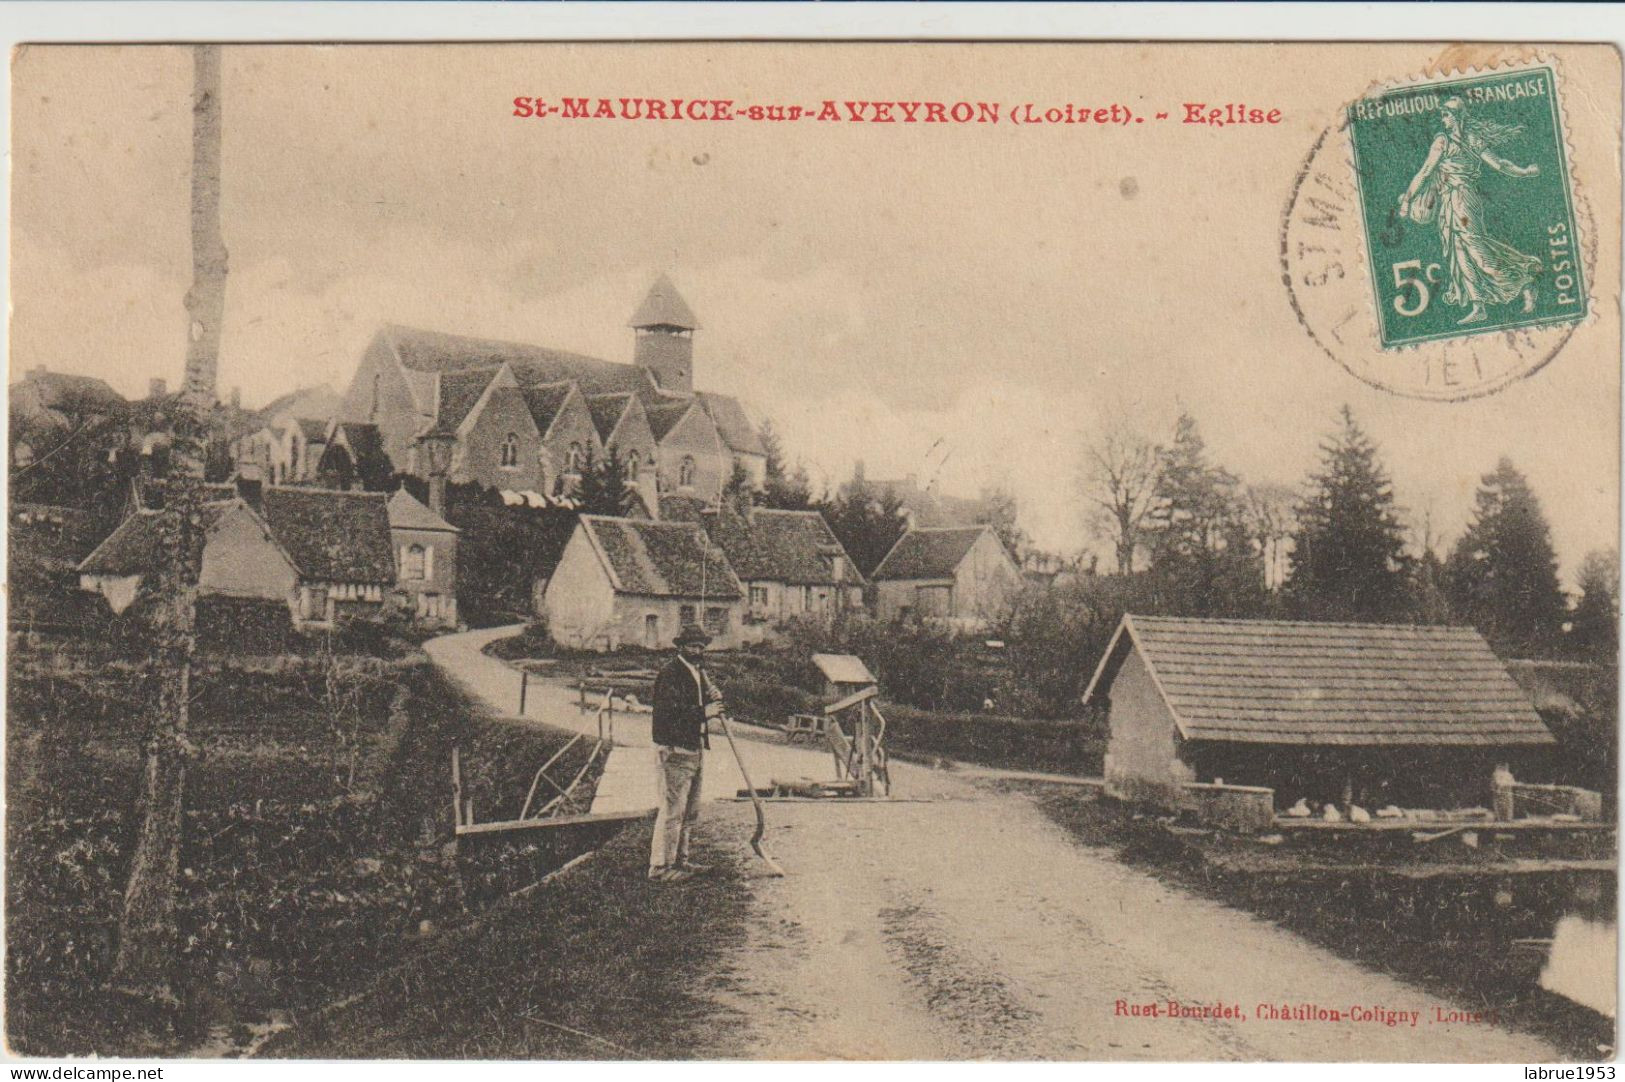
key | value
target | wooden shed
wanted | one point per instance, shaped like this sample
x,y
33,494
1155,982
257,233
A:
x,y
1411,715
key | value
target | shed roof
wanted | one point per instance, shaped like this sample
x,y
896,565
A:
x,y
1285,682
844,669
781,546
662,559
929,552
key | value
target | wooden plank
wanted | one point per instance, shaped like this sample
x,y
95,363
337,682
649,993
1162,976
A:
x,y
851,700
556,821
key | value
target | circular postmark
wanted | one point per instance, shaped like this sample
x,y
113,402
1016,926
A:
x,y
1336,275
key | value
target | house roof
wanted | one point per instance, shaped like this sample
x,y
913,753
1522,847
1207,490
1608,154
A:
x,y
544,401
732,424
662,559
929,552
408,513
318,401
677,507
664,307
138,545
460,391
313,429
665,416
607,411
332,536
1283,682
781,546
78,392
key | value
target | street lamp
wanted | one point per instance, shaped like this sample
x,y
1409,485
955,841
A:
x,y
435,445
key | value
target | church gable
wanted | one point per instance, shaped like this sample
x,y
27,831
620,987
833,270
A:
x,y
690,453
499,444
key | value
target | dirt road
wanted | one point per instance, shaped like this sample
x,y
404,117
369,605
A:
x,y
972,927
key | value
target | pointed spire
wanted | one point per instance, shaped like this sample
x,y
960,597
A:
x,y
664,307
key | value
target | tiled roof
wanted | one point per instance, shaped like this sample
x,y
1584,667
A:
x,y
332,536
1280,682
732,424
545,400
313,429
781,546
432,351
137,546
607,410
664,307
933,553
664,417
407,513
663,559
459,391
675,507
79,392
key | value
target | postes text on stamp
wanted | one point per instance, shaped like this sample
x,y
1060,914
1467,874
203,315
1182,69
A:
x,y
1468,206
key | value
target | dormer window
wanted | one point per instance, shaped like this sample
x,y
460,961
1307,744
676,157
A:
x,y
510,451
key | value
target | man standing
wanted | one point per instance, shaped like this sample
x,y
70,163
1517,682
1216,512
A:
x,y
684,701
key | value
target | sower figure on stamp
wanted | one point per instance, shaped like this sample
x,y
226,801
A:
x,y
1446,192
685,700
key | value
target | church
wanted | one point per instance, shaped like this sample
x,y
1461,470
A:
x,y
528,418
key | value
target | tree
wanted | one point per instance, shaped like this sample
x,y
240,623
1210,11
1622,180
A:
x,y
602,489
1594,633
999,510
783,488
148,928
1348,557
866,524
1502,574
1201,548
1119,480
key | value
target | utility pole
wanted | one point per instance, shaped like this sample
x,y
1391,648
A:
x,y
148,931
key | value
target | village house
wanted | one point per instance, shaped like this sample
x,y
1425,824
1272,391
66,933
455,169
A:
x,y
790,564
627,581
528,418
961,575
425,559
324,554
1368,714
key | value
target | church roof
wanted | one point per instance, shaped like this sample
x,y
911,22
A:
x,y
665,417
607,410
664,307
732,424
545,400
435,352
459,391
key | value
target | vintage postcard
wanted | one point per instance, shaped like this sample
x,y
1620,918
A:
x,y
775,551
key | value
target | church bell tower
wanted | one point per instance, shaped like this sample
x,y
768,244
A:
x,y
665,326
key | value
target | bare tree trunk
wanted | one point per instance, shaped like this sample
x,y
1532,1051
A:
x,y
148,931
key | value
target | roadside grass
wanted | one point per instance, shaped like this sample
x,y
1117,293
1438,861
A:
x,y
596,964
1448,938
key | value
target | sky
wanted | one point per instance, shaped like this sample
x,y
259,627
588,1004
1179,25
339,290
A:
x,y
971,304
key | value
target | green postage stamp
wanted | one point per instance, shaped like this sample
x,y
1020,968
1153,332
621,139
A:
x,y
1468,206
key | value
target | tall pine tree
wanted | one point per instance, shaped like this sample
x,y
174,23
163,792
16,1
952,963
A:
x,y
1348,557
603,488
783,488
1203,560
1594,634
1502,574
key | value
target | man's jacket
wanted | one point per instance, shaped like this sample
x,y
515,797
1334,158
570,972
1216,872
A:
x,y
679,710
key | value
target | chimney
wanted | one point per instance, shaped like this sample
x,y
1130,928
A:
x,y
157,388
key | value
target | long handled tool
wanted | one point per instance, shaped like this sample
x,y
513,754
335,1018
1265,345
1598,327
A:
x,y
756,801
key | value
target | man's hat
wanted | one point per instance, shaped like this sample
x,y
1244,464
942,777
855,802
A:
x,y
691,634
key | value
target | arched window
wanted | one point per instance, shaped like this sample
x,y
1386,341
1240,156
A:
x,y
685,473
293,456
510,450
575,457
377,393
632,465
414,564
